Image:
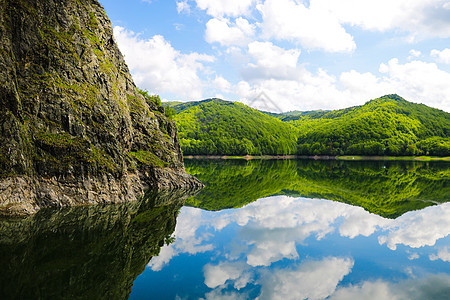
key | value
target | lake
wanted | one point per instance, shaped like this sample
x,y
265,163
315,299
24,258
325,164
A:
x,y
271,229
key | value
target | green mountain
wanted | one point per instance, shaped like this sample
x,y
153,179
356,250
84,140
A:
x,y
389,125
171,103
218,127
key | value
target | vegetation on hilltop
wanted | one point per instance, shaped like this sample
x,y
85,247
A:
x,y
388,125
215,126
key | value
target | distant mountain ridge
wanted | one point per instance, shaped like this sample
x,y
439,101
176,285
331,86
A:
x,y
388,125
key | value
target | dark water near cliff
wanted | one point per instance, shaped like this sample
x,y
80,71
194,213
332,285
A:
x,y
260,229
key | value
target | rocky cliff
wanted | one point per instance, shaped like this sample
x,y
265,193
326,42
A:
x,y
74,128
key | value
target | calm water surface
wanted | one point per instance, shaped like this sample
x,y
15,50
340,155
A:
x,y
260,229
285,240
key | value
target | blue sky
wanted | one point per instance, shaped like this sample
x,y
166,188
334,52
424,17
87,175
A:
x,y
316,54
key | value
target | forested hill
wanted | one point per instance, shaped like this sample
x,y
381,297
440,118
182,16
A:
x,y
218,127
389,125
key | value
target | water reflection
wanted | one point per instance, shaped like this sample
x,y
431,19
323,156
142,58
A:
x,y
388,189
91,252
284,247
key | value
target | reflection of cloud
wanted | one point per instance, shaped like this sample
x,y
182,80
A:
x,y
267,252
443,254
311,280
164,257
220,294
365,224
419,228
413,256
271,228
433,287
187,238
217,275
274,225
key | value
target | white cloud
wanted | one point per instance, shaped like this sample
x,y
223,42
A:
x,y
227,33
441,56
416,81
273,241
232,8
222,84
267,55
420,18
414,54
158,67
187,239
164,257
220,294
419,81
443,254
419,228
270,250
310,27
413,256
183,7
271,61
217,275
433,287
311,280
305,91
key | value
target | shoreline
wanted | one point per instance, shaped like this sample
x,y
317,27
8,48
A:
x,y
319,157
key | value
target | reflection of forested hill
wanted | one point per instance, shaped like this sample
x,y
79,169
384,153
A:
x,y
91,252
388,189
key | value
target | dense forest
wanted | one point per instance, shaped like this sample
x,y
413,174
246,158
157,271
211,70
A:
x,y
389,125
216,127
386,188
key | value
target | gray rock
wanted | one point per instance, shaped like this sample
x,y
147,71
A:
x,y
74,128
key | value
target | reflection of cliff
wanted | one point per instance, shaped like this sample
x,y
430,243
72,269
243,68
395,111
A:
x,y
85,252
388,189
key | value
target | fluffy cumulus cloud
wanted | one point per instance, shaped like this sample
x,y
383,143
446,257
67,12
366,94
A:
x,y
160,68
183,7
310,27
419,81
310,280
222,84
433,287
420,18
443,254
227,33
232,8
302,218
416,81
263,40
217,275
270,61
187,239
418,229
441,56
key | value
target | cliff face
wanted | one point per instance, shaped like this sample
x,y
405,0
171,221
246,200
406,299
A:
x,y
74,128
